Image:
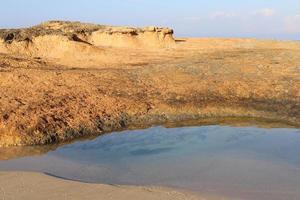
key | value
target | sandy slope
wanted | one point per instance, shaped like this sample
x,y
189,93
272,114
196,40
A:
x,y
35,186
58,83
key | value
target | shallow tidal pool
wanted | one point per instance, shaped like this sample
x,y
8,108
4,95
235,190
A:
x,y
236,162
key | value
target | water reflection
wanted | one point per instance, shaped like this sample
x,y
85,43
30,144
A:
x,y
238,162
17,152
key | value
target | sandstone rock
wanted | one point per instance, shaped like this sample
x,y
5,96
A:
x,y
60,39
150,28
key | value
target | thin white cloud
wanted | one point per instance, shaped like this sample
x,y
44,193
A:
x,y
292,24
266,12
265,23
222,14
193,18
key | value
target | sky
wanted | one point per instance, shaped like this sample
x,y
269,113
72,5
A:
x,y
272,19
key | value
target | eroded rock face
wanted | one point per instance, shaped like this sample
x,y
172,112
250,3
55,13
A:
x,y
75,43
60,37
149,37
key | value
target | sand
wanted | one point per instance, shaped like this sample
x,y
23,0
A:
x,y
36,186
60,81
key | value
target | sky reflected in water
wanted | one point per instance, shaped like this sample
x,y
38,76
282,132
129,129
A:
x,y
238,162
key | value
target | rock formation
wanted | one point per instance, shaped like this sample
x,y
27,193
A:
x,y
60,39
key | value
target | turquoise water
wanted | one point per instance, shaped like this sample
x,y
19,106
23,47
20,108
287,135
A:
x,y
237,162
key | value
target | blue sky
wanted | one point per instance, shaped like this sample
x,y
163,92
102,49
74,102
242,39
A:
x,y
275,19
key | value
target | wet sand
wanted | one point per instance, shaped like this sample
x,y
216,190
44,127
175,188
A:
x,y
36,186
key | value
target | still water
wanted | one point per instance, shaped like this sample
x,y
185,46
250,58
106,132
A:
x,y
237,162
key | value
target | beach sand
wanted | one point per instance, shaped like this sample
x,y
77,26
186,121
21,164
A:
x,y
36,186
